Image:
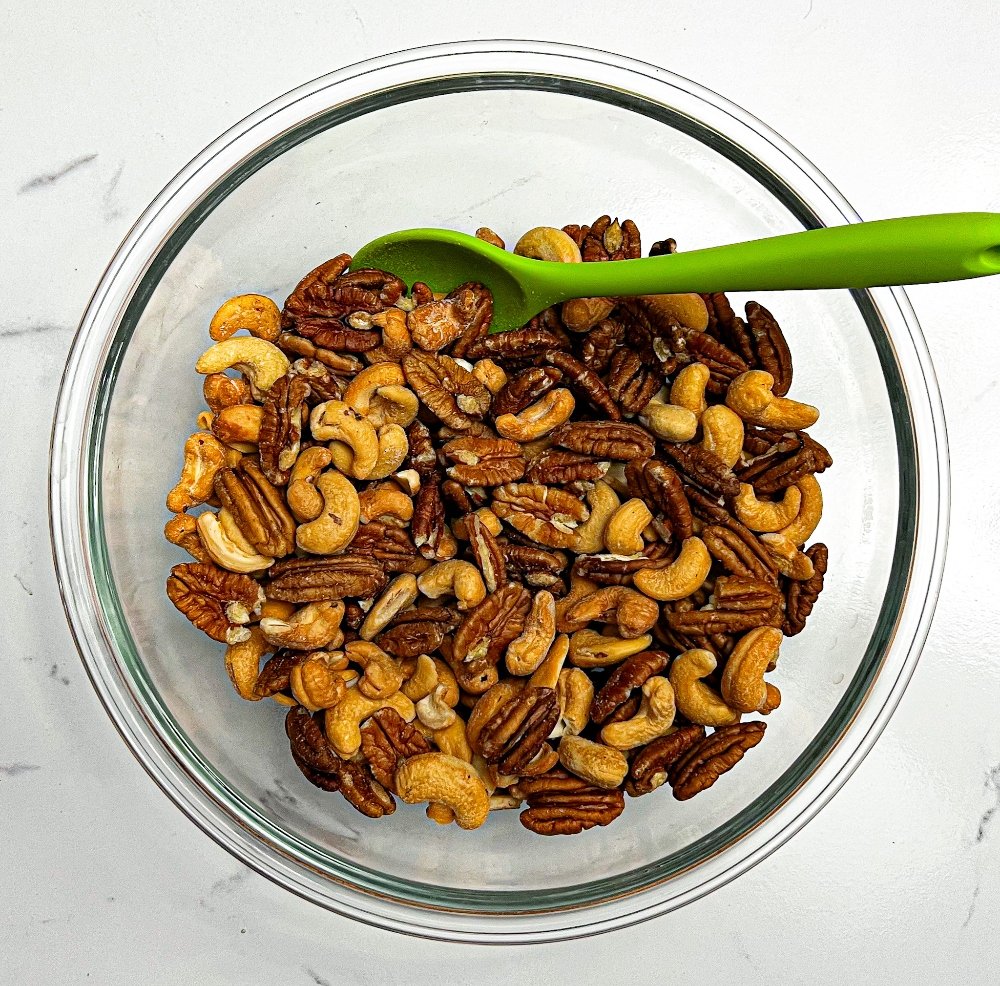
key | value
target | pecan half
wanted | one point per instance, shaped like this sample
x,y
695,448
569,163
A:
x,y
294,345
561,804
484,461
616,570
333,335
516,732
428,524
275,675
387,739
703,468
586,384
657,483
217,602
484,634
534,566
281,427
389,545
658,339
543,513
599,344
631,382
608,239
518,343
309,580
800,597
770,348
710,758
450,391
740,552
780,459
322,383
327,293
632,673
740,604
524,389
648,770
486,552
308,741
417,631
606,440
258,508
421,455
555,466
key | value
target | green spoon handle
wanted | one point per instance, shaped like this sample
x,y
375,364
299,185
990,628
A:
x,y
914,250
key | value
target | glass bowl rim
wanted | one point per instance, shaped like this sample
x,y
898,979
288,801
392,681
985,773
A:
x,y
69,504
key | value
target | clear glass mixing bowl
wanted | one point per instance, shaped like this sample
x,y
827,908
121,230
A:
x,y
509,135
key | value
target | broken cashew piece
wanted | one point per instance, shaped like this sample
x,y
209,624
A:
x,y
603,766
254,312
260,360
313,627
603,503
491,375
243,663
655,717
546,675
680,578
765,516
434,711
383,676
304,500
722,431
810,512
526,652
696,701
688,388
338,423
445,780
398,595
204,456
335,527
239,426
545,415
460,579
743,685
590,649
224,551
623,535
321,680
790,561
343,722
548,243
671,422
574,693
750,396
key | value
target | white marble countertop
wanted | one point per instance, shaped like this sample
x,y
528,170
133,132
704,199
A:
x,y
104,881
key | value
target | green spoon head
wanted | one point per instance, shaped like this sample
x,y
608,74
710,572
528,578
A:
x,y
443,259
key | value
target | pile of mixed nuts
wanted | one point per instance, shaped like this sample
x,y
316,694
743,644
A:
x,y
536,569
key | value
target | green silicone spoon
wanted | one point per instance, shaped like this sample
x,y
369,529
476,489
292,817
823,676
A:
x,y
914,250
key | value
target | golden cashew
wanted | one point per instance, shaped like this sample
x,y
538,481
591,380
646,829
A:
x,y
688,388
393,447
423,679
590,649
433,711
546,675
343,721
446,780
204,420
339,423
633,612
313,627
223,391
491,375
278,609
749,395
396,341
671,422
548,243
224,551
239,426
772,701
810,511
380,394
578,588
259,359
722,432
603,766
767,515
791,562
681,577
304,500
319,681
383,676
582,314
688,309
545,415
453,740
603,503
655,717
623,535
743,685
400,593
182,530
243,663
254,312
204,456
575,693
387,503
696,701
526,652
498,802
336,526
460,579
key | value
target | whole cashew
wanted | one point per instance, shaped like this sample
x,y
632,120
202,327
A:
x,y
791,562
603,503
243,663
579,587
446,780
422,681
603,766
590,649
460,579
336,526
623,535
320,681
254,312
491,375
526,652
750,396
380,394
681,577
433,711
259,359
633,612
688,309
671,422
575,693
304,500
383,676
393,447
548,243
204,456
400,593
546,675
743,685
224,551
767,515
396,341
688,388
313,627
582,314
722,432
655,717
343,721
335,421
545,415
810,511
696,701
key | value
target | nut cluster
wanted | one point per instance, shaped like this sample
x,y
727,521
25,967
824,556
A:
x,y
537,569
